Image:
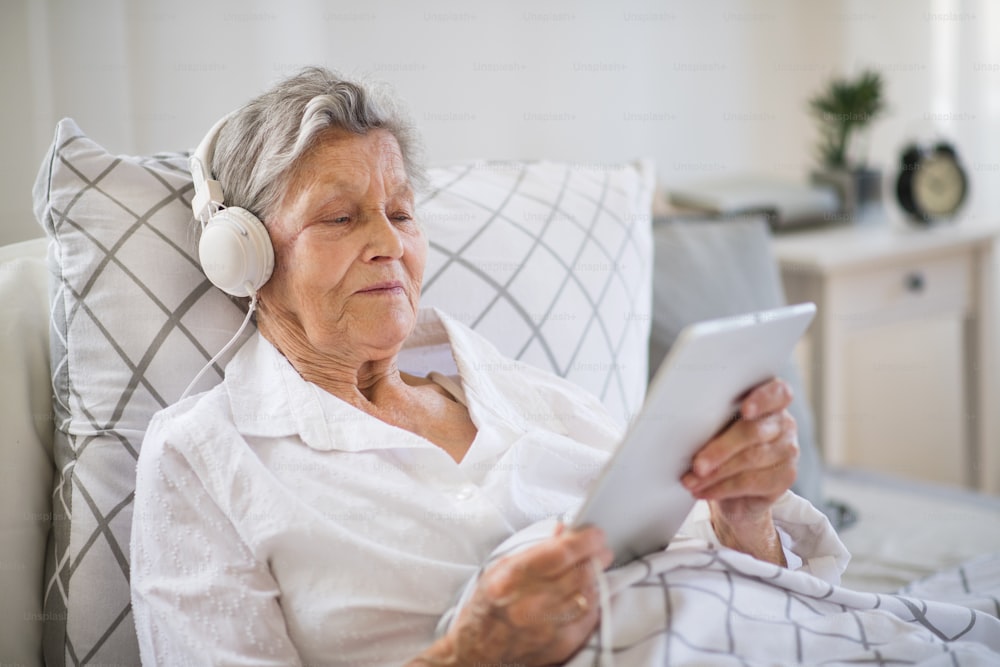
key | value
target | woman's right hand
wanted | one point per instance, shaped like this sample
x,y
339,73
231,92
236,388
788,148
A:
x,y
536,607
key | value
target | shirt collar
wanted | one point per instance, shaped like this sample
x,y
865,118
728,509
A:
x,y
491,380
269,398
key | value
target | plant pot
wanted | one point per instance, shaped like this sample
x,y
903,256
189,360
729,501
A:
x,y
858,189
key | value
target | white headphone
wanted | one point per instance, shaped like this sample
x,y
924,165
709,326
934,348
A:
x,y
235,251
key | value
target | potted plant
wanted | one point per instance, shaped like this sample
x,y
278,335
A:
x,y
845,109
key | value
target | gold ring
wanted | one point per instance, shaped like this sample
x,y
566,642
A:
x,y
581,601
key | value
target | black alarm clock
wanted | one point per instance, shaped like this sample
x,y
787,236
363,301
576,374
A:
x,y
932,184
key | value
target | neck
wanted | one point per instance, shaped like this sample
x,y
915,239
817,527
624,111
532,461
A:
x,y
360,381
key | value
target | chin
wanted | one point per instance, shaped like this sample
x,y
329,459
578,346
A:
x,y
387,330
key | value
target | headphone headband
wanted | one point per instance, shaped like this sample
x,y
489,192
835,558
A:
x,y
208,195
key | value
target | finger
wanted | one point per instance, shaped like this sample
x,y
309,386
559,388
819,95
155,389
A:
x,y
541,600
762,458
581,604
758,444
772,396
530,601
604,555
766,484
573,606
578,547
566,639
765,481
560,553
741,435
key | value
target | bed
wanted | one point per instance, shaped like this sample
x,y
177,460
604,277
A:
x,y
108,317
906,530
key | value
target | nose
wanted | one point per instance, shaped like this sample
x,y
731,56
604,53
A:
x,y
384,241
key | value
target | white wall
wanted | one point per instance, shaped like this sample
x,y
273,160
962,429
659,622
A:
x,y
703,87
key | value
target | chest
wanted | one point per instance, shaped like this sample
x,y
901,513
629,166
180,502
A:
x,y
437,419
370,540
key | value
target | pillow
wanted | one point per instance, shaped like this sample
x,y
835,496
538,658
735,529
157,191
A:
x,y
712,268
551,261
133,321
25,448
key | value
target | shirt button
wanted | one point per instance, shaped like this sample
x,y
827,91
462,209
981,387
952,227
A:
x,y
465,492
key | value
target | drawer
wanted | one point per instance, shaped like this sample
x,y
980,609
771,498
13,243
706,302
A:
x,y
928,287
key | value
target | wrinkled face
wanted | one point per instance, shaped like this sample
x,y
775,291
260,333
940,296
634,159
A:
x,y
349,254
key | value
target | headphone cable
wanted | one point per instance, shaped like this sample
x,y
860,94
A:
x,y
607,658
225,348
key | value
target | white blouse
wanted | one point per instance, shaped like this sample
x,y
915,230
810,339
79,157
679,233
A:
x,y
277,525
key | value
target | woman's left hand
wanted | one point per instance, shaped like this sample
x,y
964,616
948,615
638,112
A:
x,y
746,468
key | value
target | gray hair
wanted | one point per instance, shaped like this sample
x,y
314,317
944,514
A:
x,y
257,149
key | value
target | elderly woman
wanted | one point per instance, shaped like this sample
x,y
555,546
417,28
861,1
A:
x,y
320,506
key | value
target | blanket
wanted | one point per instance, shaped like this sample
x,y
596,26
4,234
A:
x,y
698,604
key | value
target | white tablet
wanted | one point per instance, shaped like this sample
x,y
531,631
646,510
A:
x,y
639,500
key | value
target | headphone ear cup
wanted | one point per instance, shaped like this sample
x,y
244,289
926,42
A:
x,y
235,252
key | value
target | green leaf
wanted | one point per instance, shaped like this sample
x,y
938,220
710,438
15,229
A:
x,y
841,109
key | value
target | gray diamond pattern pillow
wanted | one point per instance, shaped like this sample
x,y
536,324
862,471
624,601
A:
x,y
550,261
133,320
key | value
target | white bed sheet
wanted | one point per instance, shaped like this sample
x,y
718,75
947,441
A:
x,y
908,530
690,605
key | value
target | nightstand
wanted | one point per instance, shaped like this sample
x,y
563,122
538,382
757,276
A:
x,y
901,359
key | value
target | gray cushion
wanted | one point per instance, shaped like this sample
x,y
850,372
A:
x,y
714,268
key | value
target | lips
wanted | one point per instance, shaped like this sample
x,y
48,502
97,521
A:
x,y
384,286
